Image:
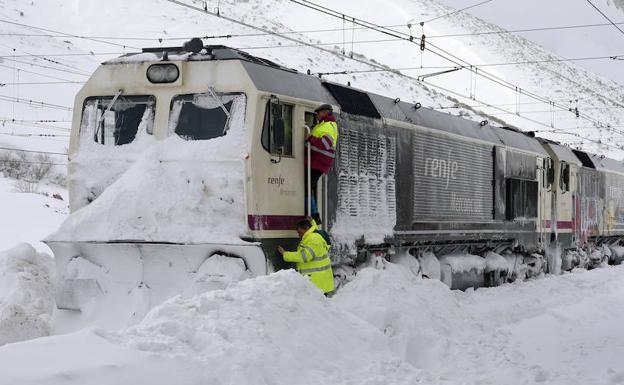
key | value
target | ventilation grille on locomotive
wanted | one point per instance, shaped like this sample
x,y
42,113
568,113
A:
x,y
453,179
366,184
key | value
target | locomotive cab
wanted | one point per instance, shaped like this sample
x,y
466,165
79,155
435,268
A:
x,y
177,158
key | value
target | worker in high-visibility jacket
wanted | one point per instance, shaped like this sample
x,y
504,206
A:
x,y
323,140
312,256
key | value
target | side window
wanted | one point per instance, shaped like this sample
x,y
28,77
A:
x,y
310,119
278,114
564,180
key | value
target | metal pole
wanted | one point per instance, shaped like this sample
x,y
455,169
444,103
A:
x,y
309,176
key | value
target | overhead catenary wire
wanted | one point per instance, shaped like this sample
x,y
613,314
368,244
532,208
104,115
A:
x,y
64,34
41,57
37,103
307,31
34,73
437,51
73,72
455,11
39,83
606,17
276,34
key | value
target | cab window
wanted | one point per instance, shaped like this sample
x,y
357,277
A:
x,y
202,116
274,112
115,121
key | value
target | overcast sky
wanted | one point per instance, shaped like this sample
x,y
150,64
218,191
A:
x,y
569,43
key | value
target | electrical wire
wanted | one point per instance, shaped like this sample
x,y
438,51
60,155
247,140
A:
x,y
66,34
47,67
606,17
455,11
482,73
33,102
369,25
231,36
39,83
35,73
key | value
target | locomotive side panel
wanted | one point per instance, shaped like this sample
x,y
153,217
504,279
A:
x,y
588,204
614,202
452,179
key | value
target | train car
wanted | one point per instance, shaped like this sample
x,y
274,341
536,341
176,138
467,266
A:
x,y
475,201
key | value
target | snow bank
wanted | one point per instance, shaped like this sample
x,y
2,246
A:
x,y
413,313
174,191
277,329
26,294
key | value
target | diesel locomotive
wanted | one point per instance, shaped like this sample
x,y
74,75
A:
x,y
466,202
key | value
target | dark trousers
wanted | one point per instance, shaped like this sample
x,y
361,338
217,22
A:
x,y
314,179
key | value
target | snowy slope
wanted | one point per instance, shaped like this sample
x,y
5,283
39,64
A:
x,y
599,102
29,217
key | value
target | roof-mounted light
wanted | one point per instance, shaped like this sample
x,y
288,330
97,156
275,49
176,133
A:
x,y
163,73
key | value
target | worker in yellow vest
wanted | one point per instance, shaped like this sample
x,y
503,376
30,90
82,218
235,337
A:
x,y
323,140
312,255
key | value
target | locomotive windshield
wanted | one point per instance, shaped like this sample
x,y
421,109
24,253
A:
x,y
115,120
202,116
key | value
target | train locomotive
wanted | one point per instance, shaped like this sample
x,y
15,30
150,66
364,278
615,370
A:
x,y
465,202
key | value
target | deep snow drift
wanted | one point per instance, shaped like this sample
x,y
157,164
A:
x,y
386,326
26,294
171,190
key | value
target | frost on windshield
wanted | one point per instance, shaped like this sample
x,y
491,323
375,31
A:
x,y
115,122
204,116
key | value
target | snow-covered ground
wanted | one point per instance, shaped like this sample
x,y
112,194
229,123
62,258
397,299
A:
x,y
28,216
385,327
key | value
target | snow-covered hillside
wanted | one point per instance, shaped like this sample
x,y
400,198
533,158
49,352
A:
x,y
113,29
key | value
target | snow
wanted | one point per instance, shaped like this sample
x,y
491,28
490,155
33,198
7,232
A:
x,y
254,332
29,217
171,190
26,294
385,326
495,262
461,263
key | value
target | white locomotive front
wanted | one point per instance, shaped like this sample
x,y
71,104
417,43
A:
x,y
177,159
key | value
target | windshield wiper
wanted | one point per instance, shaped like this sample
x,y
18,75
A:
x,y
110,106
227,113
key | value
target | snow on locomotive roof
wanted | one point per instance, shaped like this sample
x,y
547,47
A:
x,y
607,164
208,53
564,153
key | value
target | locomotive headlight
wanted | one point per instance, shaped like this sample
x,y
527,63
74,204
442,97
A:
x,y
163,73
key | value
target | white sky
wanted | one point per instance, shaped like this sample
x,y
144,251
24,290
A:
x,y
570,43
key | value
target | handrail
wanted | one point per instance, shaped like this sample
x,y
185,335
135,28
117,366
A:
x,y
308,174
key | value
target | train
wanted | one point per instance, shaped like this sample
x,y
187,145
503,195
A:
x,y
461,201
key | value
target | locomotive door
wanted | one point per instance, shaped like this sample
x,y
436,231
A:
x,y
310,121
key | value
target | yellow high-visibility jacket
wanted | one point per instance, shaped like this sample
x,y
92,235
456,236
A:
x,y
312,259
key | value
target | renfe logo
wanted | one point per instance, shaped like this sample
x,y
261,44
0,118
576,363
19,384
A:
x,y
441,169
277,180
